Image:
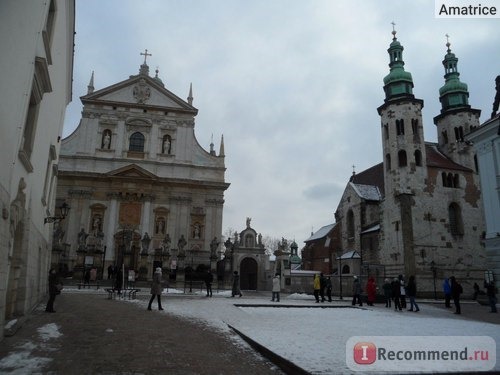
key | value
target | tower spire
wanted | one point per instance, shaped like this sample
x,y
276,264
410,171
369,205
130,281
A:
x,y
190,95
221,150
90,87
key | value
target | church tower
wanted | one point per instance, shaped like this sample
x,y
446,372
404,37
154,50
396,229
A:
x,y
404,161
457,118
402,130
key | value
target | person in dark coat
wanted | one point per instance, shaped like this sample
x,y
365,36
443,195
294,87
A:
x,y
476,291
328,287
456,290
236,285
447,292
110,271
53,290
156,289
356,292
209,278
387,292
119,280
322,282
86,277
396,293
411,291
492,295
371,290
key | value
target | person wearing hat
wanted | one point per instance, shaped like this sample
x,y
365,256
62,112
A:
x,y
156,288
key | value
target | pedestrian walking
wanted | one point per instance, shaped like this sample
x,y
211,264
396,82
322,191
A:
x,y
476,291
328,287
86,277
447,293
402,292
316,286
411,290
55,287
491,292
110,271
156,288
322,286
371,291
356,292
209,278
456,290
396,293
387,287
118,281
236,285
276,288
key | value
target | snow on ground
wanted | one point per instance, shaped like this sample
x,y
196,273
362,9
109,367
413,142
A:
x,y
21,361
315,338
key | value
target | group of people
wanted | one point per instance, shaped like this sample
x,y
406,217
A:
x,y
396,290
371,291
321,284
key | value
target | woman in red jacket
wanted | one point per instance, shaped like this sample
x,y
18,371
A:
x,y
371,290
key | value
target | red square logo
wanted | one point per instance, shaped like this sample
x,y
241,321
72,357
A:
x,y
365,353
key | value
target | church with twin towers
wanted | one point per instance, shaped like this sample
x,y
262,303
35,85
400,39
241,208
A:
x,y
419,212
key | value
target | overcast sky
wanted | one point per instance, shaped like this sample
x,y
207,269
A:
x,y
293,85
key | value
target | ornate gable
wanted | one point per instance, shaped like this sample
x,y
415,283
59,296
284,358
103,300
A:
x,y
132,171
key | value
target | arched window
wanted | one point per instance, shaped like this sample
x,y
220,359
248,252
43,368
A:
x,y
459,134
350,225
388,162
418,158
414,126
136,142
445,137
449,180
386,131
400,127
455,217
445,181
403,162
456,181
346,269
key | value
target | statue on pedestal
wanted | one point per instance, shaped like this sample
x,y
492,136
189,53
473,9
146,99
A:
x,y
145,243
180,245
213,247
82,239
166,244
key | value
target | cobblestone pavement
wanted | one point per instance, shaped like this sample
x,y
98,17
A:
x,y
101,336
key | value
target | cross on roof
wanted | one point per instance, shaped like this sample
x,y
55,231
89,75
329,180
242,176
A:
x,y
393,26
447,38
145,54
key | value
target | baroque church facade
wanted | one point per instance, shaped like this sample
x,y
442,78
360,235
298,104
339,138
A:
x,y
419,212
143,192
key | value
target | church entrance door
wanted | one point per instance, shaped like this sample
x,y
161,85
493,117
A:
x,y
248,278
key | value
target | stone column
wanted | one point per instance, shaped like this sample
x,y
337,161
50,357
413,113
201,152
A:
x,y
110,227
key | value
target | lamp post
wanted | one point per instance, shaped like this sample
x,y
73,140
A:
x,y
63,212
433,269
340,276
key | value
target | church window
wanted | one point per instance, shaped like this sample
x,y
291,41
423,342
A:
x,y
444,178
414,126
449,180
418,158
456,181
136,142
400,127
386,131
403,162
459,134
346,269
388,162
363,215
445,137
476,164
455,217
350,225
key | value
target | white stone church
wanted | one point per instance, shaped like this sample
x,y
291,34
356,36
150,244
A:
x,y
143,192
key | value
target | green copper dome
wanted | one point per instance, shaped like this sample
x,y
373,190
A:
x,y
398,82
453,93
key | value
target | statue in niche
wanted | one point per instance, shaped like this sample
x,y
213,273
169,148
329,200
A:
x,y
145,242
167,144
213,247
160,226
180,244
196,231
96,225
99,238
106,140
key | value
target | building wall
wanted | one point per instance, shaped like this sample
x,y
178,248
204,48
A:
x,y
36,73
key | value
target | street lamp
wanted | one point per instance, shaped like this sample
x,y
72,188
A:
x,y
63,212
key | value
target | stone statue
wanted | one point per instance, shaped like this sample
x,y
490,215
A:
x,y
196,231
96,225
213,247
260,238
180,244
106,140
99,239
229,248
82,239
249,219
145,242
497,97
166,244
166,145
58,235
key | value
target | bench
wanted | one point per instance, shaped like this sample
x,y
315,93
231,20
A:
x,y
129,292
80,285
